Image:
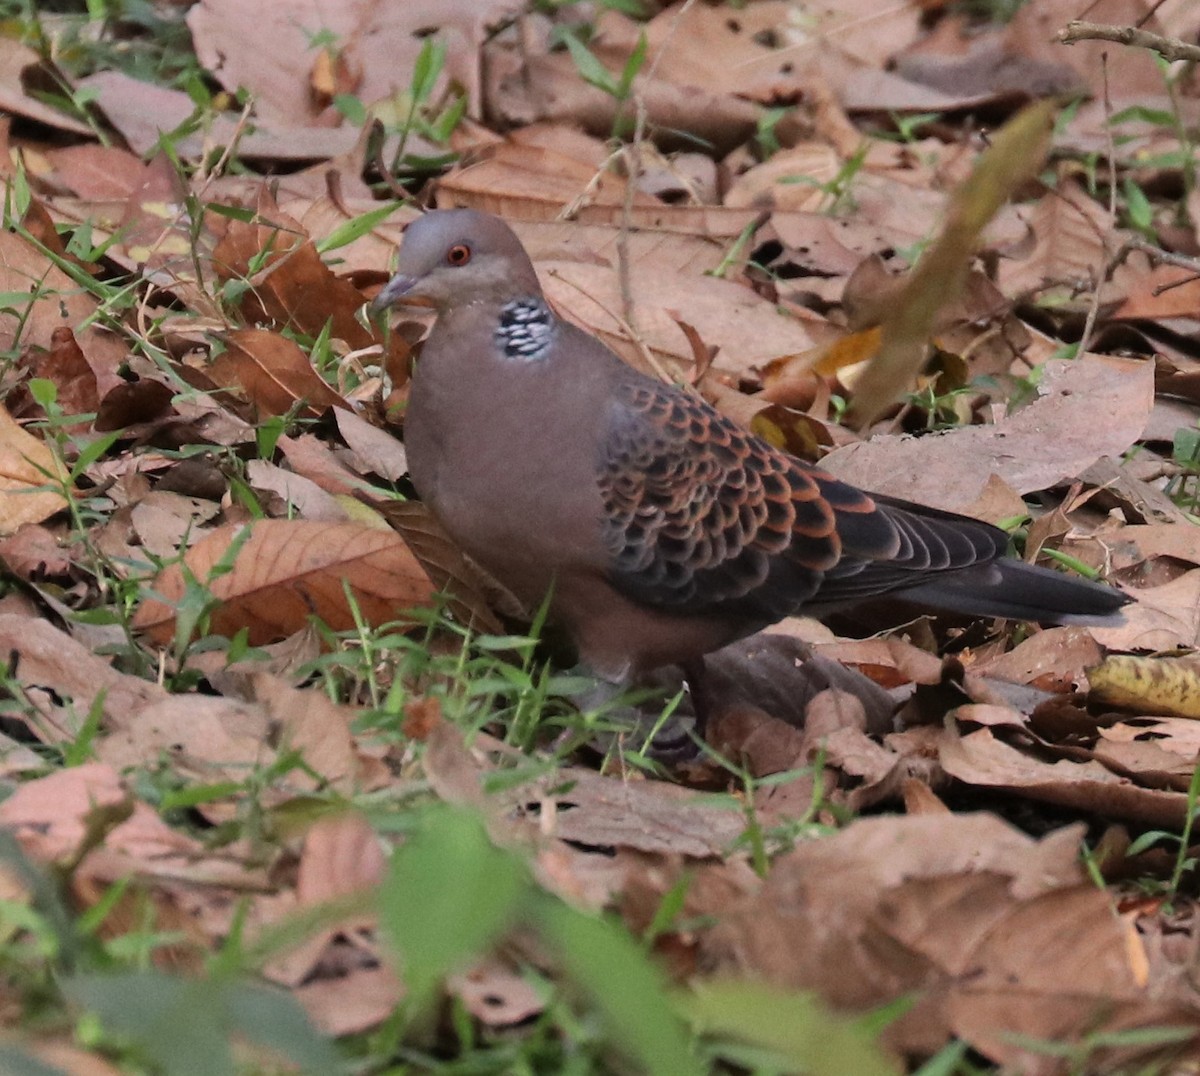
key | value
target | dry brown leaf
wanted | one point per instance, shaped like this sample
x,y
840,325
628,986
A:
x,y
1125,75
291,286
1167,291
294,492
377,450
1165,617
286,571
1159,753
74,380
27,468
56,301
52,816
1069,231
212,739
984,761
1086,408
352,1003
314,725
761,48
527,84
274,373
99,173
995,935
1135,545
161,521
132,403
1053,659
22,70
312,458
496,995
527,182
342,855
719,310
374,41
578,805
50,660
794,179
34,550
143,112
471,593
893,905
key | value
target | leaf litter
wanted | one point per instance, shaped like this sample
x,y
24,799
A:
x,y
235,660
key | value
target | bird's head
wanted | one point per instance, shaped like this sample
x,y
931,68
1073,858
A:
x,y
455,256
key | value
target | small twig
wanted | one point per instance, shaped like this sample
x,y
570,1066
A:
x,y
571,210
1089,325
1168,48
633,169
1167,257
205,175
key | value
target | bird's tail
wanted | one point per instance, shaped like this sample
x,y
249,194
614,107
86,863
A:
x,y
1019,591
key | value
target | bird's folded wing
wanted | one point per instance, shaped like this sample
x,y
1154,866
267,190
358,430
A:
x,y
702,517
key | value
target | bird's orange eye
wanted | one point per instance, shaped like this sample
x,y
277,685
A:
x,y
459,254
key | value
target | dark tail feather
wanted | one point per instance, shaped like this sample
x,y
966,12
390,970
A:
x,y
1019,591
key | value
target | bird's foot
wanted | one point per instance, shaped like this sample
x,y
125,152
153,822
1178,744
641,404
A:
x,y
654,720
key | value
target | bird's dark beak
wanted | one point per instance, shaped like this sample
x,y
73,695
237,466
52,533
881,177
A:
x,y
393,292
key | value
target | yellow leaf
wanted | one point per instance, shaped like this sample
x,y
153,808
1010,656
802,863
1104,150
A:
x,y
1169,686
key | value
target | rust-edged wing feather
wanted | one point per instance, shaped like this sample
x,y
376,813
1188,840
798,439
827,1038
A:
x,y
702,517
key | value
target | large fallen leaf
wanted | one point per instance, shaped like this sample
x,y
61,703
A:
x,y
533,183
207,738
983,760
719,310
953,911
370,43
471,593
27,467
143,112
374,449
579,806
44,659
311,723
1086,408
286,571
74,380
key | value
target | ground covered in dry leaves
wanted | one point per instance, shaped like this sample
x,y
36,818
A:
x,y
236,669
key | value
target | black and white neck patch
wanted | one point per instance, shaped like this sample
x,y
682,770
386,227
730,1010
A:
x,y
526,330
